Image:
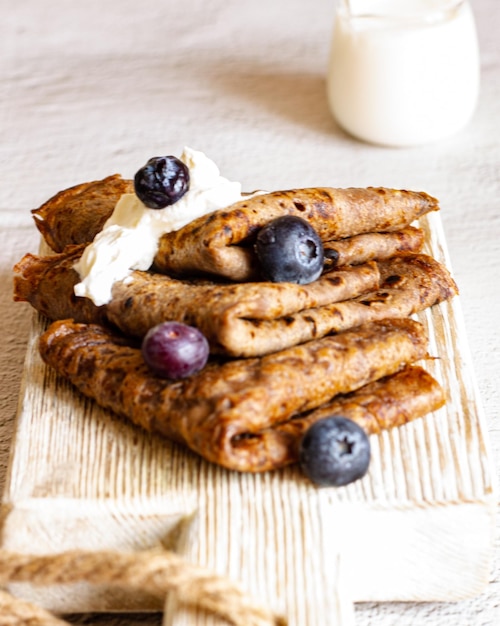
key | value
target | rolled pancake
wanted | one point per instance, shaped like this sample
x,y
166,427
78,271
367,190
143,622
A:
x,y
221,243
245,319
383,404
215,411
373,246
77,214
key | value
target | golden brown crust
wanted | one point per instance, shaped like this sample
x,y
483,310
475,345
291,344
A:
x,y
386,403
249,319
373,246
220,243
77,214
227,314
47,282
383,404
224,403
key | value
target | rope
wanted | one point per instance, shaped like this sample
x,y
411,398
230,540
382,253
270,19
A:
x,y
16,612
152,572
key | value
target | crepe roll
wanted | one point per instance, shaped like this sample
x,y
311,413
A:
x,y
215,411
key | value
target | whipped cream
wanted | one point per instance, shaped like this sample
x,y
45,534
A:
x,y
129,238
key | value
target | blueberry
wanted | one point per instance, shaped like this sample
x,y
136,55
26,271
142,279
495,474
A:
x,y
161,182
289,250
174,350
334,451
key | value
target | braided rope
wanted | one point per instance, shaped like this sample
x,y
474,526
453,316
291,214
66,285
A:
x,y
16,612
153,572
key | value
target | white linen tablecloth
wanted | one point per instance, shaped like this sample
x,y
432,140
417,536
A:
x,y
97,87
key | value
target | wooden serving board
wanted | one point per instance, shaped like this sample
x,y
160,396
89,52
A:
x,y
418,527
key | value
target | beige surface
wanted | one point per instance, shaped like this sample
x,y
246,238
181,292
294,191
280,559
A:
x,y
88,91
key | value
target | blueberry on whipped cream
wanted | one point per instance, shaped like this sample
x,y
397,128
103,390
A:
x,y
129,238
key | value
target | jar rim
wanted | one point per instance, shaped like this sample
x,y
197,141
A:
x,y
401,12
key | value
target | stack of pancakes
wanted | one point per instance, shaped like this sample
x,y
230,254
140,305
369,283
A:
x,y
282,355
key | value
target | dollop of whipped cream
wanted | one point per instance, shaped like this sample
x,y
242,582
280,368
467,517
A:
x,y
129,238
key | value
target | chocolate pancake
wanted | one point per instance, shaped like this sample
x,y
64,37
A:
x,y
372,246
383,404
221,243
246,319
77,214
220,412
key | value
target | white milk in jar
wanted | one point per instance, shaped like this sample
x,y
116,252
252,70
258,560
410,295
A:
x,y
403,72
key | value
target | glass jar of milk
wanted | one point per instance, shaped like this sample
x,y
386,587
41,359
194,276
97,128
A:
x,y
403,72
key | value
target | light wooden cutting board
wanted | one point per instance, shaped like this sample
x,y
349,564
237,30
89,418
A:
x,y
418,527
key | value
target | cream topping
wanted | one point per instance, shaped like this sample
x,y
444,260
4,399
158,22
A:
x,y
129,238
